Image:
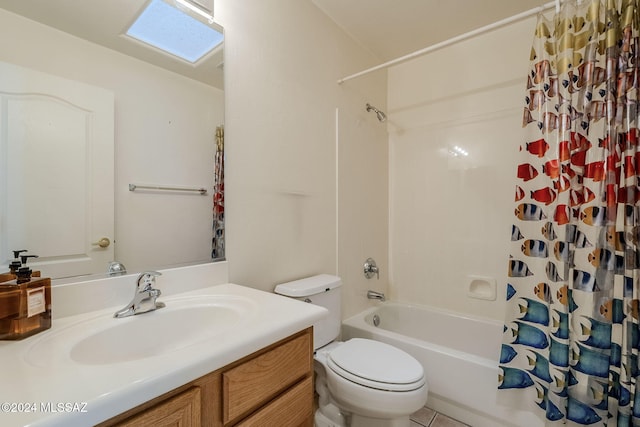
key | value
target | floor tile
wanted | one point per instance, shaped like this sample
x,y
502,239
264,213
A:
x,y
444,421
423,416
415,424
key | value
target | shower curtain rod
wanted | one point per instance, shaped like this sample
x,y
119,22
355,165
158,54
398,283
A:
x,y
457,39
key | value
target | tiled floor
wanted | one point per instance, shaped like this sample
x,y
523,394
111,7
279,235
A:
x,y
426,417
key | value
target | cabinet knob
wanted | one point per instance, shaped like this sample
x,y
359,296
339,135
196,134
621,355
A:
x,y
103,243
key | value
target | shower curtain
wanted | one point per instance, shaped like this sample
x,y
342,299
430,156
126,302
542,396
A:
x,y
217,242
571,335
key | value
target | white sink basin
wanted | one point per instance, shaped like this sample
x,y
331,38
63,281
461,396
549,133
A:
x,y
106,340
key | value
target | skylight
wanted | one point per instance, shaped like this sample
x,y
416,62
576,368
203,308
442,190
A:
x,y
174,31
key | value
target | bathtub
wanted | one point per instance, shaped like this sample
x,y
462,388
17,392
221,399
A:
x,y
459,354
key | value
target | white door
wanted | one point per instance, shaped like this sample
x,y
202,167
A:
x,y
56,171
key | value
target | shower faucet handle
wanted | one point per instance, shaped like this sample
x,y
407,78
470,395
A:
x,y
370,268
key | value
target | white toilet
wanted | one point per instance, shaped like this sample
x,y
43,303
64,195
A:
x,y
360,382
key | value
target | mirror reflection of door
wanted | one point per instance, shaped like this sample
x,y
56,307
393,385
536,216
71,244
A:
x,y
57,172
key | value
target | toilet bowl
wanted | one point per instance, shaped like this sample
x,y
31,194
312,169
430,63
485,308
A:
x,y
360,382
372,381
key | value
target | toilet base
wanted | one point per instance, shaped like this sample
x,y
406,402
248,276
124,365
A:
x,y
321,420
361,421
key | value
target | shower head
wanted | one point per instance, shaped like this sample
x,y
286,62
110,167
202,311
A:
x,y
381,116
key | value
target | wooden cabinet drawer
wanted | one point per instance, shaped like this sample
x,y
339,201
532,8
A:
x,y
271,387
291,409
255,382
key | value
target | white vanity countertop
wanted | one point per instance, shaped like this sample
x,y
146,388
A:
x,y
62,392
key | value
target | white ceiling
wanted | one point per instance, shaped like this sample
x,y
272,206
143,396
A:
x,y
104,22
387,28
393,28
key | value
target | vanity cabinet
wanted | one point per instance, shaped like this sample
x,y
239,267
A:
x,y
271,387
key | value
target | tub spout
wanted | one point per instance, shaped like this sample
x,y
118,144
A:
x,y
375,295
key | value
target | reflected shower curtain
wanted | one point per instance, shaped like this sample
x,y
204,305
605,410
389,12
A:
x,y
571,336
217,242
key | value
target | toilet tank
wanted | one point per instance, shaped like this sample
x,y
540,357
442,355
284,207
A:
x,y
322,290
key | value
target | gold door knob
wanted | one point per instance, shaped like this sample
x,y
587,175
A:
x,y
103,243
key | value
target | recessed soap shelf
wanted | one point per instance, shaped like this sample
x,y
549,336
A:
x,y
481,287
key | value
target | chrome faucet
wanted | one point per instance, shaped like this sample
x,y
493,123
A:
x,y
144,299
375,295
370,268
115,268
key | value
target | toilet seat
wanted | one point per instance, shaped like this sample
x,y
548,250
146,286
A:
x,y
376,365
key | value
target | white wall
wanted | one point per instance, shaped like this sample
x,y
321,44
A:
x,y
282,61
165,126
305,196
283,179
451,216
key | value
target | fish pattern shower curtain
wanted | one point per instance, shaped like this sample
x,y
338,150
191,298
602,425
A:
x,y
571,337
217,242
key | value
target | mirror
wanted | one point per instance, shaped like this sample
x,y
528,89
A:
x,y
167,125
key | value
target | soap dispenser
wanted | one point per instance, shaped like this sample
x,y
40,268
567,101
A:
x,y
18,261
25,305
13,267
24,258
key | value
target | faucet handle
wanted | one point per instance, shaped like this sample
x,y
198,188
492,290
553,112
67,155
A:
x,y
147,280
370,268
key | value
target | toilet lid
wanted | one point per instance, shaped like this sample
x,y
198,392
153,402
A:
x,y
377,365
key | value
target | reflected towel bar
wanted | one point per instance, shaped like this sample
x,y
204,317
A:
x,y
133,187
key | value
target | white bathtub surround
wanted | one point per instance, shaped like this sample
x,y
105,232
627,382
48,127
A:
x,y
363,192
459,354
107,389
450,214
